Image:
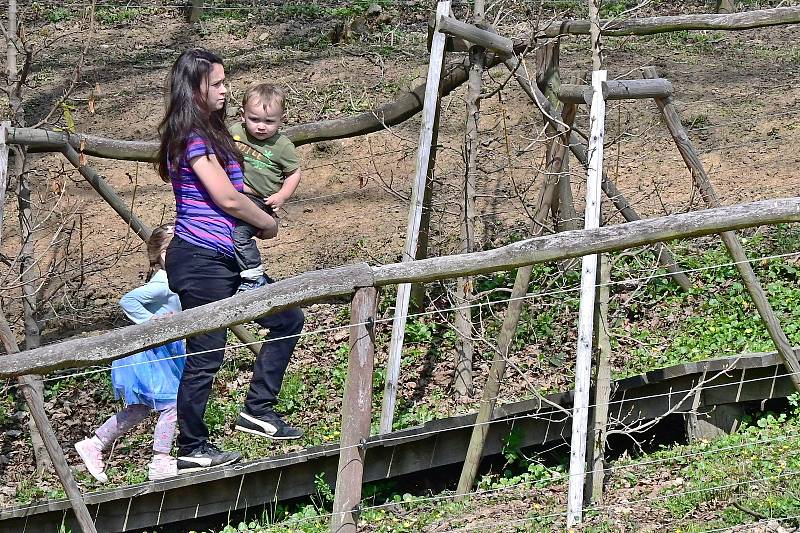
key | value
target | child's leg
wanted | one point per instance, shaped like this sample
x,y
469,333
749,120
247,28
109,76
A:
x,y
121,423
163,465
165,430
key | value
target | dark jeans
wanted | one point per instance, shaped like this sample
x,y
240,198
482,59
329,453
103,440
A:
x,y
247,254
200,276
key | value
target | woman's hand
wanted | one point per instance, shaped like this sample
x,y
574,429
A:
x,y
269,233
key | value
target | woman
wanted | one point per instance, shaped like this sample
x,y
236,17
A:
x,y
197,155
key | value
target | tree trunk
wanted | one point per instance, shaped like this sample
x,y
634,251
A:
x,y
27,260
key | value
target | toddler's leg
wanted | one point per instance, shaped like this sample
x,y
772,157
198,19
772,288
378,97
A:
x,y
246,250
121,423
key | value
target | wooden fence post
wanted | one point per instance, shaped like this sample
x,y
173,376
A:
x,y
356,410
703,184
3,171
36,407
415,213
580,408
602,386
195,11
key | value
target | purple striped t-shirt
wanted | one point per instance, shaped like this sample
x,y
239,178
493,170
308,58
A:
x,y
198,220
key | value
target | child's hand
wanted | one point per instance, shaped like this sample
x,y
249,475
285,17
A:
x,y
275,201
162,315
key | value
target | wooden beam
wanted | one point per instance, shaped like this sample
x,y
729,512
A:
x,y
732,243
502,46
616,90
356,411
322,285
35,402
195,11
429,112
652,25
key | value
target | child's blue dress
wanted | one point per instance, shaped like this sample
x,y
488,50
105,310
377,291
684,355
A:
x,y
150,377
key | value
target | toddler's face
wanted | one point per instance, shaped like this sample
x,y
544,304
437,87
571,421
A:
x,y
260,122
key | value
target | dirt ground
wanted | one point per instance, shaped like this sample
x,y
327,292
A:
x,y
735,91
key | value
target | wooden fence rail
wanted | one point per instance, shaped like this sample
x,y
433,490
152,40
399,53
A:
x,y
323,285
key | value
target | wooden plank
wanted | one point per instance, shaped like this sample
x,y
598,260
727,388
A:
x,y
314,286
502,46
323,285
617,90
652,25
356,410
583,364
576,146
414,216
732,243
433,444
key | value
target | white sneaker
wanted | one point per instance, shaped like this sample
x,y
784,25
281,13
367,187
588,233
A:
x,y
92,457
162,467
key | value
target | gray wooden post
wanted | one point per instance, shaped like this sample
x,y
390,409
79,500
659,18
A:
x,y
602,387
356,410
28,385
580,408
732,243
195,11
3,171
414,216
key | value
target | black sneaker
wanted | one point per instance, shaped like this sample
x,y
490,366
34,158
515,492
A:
x,y
250,284
269,425
206,456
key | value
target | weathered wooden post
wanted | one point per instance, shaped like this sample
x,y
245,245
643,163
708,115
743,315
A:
x,y
732,243
28,385
602,387
195,11
356,410
580,408
429,111
3,171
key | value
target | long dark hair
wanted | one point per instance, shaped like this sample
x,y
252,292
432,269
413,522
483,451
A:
x,y
187,113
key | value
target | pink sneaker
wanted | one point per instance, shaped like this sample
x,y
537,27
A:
x,y
92,457
162,467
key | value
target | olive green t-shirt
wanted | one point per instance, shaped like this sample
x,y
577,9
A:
x,y
267,162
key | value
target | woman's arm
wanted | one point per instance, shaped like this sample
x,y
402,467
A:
x,y
227,198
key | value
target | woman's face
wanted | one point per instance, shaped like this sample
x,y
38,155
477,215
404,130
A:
x,y
213,89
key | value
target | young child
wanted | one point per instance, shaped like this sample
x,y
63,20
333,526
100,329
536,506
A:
x,y
147,380
271,170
